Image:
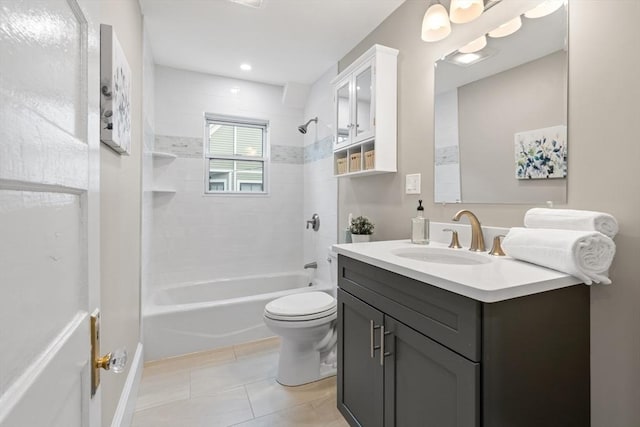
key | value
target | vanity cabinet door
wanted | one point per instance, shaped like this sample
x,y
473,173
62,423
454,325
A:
x,y
360,376
426,384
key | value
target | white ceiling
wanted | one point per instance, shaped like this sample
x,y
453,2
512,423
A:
x,y
284,40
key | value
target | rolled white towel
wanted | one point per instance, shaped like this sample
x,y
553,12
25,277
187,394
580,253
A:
x,y
571,219
586,255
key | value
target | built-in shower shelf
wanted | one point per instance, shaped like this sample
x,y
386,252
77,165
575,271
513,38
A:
x,y
163,155
163,191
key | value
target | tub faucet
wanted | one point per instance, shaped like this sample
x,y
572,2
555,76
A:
x,y
311,265
477,240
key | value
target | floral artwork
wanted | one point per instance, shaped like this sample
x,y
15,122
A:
x,y
541,153
115,93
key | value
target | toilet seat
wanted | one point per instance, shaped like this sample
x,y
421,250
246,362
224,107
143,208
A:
x,y
301,307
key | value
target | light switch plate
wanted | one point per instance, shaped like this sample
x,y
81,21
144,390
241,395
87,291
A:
x,y
412,183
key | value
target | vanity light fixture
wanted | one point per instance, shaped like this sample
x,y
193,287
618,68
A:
x,y
463,11
476,45
507,28
435,24
245,67
545,8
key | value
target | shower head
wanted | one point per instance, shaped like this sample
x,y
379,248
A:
x,y
303,128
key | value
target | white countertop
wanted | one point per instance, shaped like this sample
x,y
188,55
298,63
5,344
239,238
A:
x,y
501,279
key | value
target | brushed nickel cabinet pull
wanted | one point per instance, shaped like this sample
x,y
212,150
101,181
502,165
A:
x,y
382,352
372,327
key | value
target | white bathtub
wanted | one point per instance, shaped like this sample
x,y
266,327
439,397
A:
x,y
202,316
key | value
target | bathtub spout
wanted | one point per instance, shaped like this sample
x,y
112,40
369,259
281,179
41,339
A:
x,y
311,265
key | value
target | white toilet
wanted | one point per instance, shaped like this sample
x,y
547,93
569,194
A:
x,y
306,322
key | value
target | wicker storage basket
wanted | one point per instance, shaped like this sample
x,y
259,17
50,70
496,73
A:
x,y
370,159
355,163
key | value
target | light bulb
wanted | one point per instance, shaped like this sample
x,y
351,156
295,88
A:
x,y
463,11
435,24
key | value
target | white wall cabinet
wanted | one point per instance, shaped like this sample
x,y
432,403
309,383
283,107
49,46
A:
x,y
365,99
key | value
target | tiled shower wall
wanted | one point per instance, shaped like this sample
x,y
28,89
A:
x,y
320,187
198,237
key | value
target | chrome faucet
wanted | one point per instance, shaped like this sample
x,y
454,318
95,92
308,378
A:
x,y
311,265
477,240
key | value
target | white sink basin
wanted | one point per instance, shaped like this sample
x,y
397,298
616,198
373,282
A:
x,y
441,256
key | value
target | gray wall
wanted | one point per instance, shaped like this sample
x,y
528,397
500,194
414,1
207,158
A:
x,y
120,187
603,155
530,96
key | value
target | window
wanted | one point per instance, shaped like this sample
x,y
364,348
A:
x,y
235,154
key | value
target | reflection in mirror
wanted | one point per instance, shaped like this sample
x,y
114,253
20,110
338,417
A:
x,y
343,114
501,117
363,101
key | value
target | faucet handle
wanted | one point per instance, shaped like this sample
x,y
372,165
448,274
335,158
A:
x,y
455,243
314,222
496,249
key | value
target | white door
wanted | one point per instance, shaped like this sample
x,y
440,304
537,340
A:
x,y
49,224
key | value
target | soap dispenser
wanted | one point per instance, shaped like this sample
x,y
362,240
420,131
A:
x,y
420,227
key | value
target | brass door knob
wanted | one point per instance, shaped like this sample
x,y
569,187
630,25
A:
x,y
115,361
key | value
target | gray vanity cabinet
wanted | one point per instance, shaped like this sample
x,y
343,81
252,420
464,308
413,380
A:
x,y
415,382
426,384
414,355
361,393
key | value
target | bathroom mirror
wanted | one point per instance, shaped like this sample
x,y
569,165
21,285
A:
x,y
343,114
501,117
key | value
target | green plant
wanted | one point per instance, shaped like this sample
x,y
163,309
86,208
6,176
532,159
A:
x,y
361,225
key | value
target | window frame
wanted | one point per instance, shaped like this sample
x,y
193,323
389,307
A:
x,y
212,119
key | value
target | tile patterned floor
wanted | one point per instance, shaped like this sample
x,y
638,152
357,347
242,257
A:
x,y
232,386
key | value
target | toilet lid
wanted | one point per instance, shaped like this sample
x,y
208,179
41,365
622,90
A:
x,y
302,304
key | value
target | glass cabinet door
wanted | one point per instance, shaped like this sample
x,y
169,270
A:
x,y
364,103
343,112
